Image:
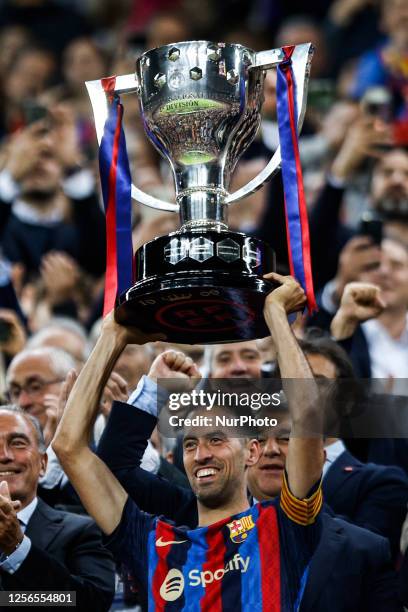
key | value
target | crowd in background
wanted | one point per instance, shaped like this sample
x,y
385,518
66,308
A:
x,y
354,153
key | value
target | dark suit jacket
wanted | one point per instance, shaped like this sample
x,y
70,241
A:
x,y
327,234
383,451
121,447
369,495
356,346
66,554
351,571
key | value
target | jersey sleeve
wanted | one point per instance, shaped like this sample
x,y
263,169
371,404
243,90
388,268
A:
x,y
301,511
300,531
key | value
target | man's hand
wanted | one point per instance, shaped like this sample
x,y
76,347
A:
x,y
358,255
25,148
60,274
175,365
65,134
10,530
55,405
360,302
53,412
343,11
364,139
16,339
115,389
289,296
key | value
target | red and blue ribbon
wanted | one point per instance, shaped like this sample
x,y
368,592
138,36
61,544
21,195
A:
x,y
297,226
116,190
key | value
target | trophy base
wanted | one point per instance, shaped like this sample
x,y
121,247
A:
x,y
195,303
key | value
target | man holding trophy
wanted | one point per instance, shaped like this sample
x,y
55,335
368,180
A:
x,y
200,105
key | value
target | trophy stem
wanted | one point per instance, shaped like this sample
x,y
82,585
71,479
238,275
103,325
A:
x,y
203,208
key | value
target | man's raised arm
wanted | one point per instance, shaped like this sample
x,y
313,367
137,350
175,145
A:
x,y
100,492
305,453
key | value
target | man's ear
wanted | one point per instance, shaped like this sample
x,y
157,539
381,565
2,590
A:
x,y
43,463
253,452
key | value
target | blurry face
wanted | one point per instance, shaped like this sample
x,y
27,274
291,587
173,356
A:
x,y
67,341
132,364
82,62
304,33
29,76
12,39
21,463
236,360
391,275
36,373
395,18
166,30
44,179
265,477
215,465
389,187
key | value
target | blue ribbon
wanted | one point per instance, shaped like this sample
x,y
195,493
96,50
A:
x,y
295,205
116,190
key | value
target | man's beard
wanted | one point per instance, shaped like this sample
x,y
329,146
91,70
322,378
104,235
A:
x,y
394,208
40,196
214,499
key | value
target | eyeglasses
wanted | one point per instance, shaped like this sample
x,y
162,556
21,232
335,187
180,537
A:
x,y
34,388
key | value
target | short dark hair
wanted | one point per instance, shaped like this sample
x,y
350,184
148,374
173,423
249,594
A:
x,y
317,342
13,409
349,394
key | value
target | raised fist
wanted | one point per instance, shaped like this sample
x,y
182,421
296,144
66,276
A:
x,y
358,255
173,364
359,302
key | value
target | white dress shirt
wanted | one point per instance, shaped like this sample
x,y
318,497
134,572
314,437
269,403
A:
x,y
333,451
388,355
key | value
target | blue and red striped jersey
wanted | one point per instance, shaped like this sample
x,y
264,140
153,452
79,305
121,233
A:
x,y
255,561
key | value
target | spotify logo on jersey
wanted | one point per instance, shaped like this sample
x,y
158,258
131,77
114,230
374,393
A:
x,y
173,585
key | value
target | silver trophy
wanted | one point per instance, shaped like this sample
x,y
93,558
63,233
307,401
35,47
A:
x,y
200,104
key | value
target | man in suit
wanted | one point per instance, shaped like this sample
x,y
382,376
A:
x,y
359,303
376,324
34,379
369,495
42,548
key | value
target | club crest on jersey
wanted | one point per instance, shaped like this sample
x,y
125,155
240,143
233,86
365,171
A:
x,y
239,527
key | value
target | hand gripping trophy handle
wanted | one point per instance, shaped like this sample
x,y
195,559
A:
x,y
264,60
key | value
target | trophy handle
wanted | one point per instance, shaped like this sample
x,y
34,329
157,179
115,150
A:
x,y
125,83
301,59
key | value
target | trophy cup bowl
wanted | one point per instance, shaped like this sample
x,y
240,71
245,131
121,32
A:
x,y
200,104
